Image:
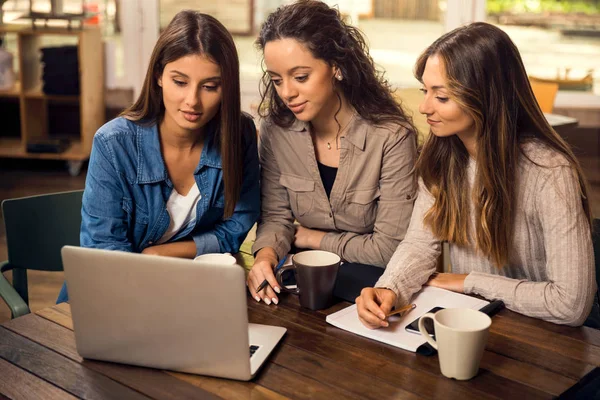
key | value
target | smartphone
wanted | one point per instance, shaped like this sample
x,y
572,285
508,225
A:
x,y
413,327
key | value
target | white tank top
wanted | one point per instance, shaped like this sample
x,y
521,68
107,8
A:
x,y
182,210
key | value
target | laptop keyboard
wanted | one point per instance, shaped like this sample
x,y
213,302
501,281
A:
x,y
253,349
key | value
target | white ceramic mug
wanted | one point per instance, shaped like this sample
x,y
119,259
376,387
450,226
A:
x,y
216,259
460,338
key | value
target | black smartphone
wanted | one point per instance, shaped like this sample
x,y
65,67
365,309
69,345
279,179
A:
x,y
413,327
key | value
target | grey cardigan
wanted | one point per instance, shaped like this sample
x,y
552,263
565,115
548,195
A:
x,y
550,274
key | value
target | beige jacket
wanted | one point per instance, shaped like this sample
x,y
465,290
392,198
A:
x,y
371,200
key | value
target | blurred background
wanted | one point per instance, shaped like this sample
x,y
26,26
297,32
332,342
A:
x,y
559,41
555,37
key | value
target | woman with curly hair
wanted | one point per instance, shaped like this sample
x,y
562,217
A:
x,y
337,151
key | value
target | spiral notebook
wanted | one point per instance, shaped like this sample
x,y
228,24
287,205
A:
x,y
395,334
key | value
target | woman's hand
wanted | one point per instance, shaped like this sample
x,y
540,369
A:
x,y
306,238
264,263
453,282
373,305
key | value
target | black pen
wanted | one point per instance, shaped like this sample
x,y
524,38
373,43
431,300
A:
x,y
265,282
262,286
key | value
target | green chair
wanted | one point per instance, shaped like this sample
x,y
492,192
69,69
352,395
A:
x,y
37,227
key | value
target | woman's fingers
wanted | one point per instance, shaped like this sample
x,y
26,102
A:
x,y
260,272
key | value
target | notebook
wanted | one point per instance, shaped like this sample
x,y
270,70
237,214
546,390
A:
x,y
396,335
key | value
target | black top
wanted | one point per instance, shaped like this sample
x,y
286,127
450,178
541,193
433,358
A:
x,y
327,176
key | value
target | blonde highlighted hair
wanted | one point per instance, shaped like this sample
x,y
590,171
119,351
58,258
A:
x,y
486,77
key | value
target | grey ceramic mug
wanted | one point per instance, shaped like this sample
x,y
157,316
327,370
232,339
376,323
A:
x,y
315,271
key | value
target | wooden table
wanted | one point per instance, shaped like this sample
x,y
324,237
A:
x,y
525,358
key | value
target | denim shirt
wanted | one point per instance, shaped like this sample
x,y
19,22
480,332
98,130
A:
x,y
127,187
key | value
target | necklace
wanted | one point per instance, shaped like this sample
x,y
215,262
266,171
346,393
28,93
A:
x,y
329,143
339,132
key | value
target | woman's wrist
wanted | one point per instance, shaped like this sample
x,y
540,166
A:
x,y
266,254
316,238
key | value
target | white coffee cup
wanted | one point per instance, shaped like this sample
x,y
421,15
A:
x,y
216,259
460,338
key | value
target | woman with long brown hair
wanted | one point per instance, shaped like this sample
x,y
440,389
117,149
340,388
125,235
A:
x,y
337,151
177,173
496,182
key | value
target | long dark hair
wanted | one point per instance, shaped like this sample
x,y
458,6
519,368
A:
x,y
486,77
191,32
323,31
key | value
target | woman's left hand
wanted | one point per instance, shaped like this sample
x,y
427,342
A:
x,y
453,282
306,238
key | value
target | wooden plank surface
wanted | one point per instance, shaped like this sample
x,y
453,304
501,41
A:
x,y
308,349
61,315
503,366
18,384
229,389
52,367
524,358
403,369
151,382
296,385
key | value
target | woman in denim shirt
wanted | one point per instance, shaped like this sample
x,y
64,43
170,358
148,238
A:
x,y
177,173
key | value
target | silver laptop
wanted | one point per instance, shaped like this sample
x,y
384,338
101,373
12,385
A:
x,y
163,312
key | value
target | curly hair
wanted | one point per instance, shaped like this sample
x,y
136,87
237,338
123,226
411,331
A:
x,y
329,38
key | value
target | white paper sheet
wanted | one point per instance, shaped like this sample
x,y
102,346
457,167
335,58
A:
x,y
396,335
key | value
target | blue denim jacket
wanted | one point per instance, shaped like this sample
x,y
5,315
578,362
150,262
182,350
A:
x,y
127,187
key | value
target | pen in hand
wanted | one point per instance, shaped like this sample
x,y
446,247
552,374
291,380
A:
x,y
262,286
265,282
402,310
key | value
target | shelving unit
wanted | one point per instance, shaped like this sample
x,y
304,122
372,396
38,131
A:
x,y
34,104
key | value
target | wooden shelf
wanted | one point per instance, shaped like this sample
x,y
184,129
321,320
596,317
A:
x,y
15,92
37,108
13,148
38,93
24,28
